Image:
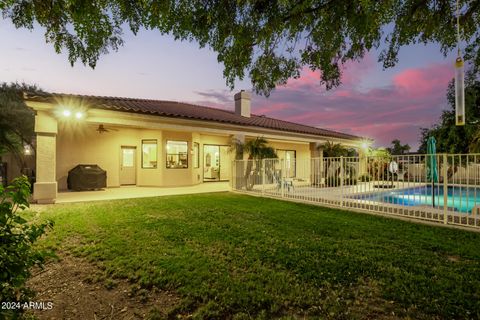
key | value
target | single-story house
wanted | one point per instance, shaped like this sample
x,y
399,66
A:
x,y
155,143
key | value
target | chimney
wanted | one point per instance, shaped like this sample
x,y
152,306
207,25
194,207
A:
x,y
242,104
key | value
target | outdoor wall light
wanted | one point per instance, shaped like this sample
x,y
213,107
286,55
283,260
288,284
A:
x,y
365,146
27,150
68,113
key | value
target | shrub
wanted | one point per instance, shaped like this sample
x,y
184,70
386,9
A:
x,y
17,236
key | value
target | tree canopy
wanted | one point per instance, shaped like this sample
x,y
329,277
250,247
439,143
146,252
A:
x,y
398,148
256,149
16,119
270,41
457,139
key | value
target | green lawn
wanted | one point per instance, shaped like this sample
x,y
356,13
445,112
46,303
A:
x,y
236,256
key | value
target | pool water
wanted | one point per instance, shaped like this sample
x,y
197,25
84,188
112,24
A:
x,y
461,199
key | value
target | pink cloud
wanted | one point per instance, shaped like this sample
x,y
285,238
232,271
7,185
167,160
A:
x,y
422,81
332,117
307,78
410,99
277,107
342,93
354,71
414,98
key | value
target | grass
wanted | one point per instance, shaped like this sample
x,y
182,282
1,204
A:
x,y
236,256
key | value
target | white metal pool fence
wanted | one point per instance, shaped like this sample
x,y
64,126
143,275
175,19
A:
x,y
443,188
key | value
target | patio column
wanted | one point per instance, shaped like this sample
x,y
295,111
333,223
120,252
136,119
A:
x,y
317,164
315,149
45,187
239,165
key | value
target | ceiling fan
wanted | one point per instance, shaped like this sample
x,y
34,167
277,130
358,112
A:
x,y
101,129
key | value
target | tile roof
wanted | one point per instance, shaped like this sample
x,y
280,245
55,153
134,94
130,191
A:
x,y
188,111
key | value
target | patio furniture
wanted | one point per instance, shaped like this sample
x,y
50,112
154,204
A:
x,y
287,183
86,177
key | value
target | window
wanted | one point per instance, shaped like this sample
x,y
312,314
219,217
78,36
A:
x,y
196,155
128,157
289,157
177,154
149,154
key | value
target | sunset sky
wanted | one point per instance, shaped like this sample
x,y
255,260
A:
x,y
371,102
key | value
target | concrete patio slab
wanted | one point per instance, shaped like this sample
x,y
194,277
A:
x,y
129,192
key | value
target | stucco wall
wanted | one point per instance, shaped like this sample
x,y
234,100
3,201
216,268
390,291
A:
x,y
302,157
86,146
302,150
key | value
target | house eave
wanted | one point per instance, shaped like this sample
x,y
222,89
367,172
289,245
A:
x,y
152,121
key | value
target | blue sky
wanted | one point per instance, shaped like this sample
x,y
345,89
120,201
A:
x,y
381,104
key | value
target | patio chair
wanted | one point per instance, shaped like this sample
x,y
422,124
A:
x,y
287,184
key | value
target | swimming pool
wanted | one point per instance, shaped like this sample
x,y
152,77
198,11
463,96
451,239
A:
x,y
461,199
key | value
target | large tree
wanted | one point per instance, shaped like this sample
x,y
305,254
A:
x,y
269,40
16,120
457,139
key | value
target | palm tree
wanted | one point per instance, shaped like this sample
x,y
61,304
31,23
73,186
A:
x,y
257,150
334,170
331,149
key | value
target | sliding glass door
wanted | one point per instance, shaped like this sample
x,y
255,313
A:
x,y
289,158
216,163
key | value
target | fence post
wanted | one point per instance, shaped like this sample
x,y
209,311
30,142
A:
x,y
282,177
445,188
233,177
263,177
341,181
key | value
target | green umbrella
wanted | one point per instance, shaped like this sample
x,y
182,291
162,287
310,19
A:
x,y
432,172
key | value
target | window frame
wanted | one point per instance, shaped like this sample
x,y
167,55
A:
x,y
156,152
174,154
